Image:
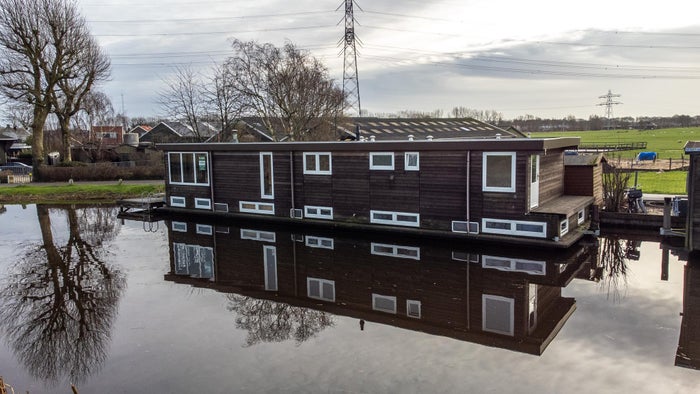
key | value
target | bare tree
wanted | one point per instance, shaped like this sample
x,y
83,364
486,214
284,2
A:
x,y
97,110
37,50
222,100
86,66
287,88
184,98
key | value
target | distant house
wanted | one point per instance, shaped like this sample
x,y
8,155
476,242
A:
x,y
141,130
108,135
7,139
178,132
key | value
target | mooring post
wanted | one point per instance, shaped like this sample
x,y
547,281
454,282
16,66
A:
x,y
667,216
664,261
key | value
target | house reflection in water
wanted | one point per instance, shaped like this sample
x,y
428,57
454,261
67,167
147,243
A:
x,y
688,354
497,297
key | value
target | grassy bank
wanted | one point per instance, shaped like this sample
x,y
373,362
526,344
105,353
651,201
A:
x,y
669,182
36,193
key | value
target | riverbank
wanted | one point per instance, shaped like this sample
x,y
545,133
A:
x,y
49,192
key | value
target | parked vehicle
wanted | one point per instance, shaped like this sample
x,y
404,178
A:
x,y
17,168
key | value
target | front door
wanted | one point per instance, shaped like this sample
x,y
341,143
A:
x,y
534,181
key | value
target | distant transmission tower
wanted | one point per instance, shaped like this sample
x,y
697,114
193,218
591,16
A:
x,y
351,84
608,104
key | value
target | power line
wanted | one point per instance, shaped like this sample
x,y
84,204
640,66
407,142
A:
x,y
210,19
216,32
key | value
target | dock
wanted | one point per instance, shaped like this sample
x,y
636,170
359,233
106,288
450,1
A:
x,y
145,204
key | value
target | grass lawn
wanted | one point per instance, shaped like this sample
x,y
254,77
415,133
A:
x,y
668,182
667,143
29,193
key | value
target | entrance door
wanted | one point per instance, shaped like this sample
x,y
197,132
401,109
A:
x,y
534,181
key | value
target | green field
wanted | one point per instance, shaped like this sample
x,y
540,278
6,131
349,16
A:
x,y
668,182
37,193
667,143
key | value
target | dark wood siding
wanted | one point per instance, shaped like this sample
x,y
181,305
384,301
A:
x,y
443,188
350,188
693,188
584,181
551,175
189,192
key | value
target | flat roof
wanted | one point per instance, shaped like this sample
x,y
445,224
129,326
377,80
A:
x,y
692,147
491,144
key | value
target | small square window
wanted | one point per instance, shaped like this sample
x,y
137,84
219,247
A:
x,y
381,160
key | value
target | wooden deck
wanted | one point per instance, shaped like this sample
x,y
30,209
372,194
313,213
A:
x,y
148,203
564,205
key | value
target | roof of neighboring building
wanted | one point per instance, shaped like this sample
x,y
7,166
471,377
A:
x,y
437,128
692,147
107,129
583,159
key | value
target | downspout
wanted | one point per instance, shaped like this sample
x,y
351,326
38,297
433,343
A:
x,y
291,180
469,157
211,178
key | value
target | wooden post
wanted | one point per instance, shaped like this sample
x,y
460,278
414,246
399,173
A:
x,y
670,163
667,214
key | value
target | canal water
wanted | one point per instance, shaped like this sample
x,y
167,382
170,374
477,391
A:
x,y
179,306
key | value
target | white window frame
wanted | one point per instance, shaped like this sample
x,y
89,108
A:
x,y
257,235
375,297
182,174
468,224
398,251
204,229
408,308
174,201
408,167
315,212
513,224
321,282
564,227
202,203
394,218
260,207
180,227
581,216
270,286
513,265
319,242
381,167
271,195
511,303
317,170
201,256
498,189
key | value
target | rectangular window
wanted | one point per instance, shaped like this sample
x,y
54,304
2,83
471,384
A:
x,y
465,227
202,203
317,163
270,257
464,256
383,303
319,242
381,160
411,161
497,314
413,309
267,187
581,216
194,260
187,168
563,227
318,212
397,218
205,229
179,227
256,207
320,289
514,227
255,235
177,202
220,207
533,267
499,172
296,213
404,252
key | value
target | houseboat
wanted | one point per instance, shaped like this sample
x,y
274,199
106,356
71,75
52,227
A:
x,y
496,296
487,189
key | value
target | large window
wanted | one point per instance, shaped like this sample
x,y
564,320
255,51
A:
x,y
320,289
499,172
267,188
193,260
498,314
317,163
189,168
381,160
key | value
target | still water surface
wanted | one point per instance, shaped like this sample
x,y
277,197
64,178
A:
x,y
195,307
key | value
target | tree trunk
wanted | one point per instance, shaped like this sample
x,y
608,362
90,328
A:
x,y
38,153
65,139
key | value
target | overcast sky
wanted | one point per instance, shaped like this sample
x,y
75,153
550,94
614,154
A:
x,y
547,58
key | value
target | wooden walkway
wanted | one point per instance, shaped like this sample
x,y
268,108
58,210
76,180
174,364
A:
x,y
147,204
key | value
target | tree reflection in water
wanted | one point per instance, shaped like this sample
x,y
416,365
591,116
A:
x,y
612,268
270,321
58,306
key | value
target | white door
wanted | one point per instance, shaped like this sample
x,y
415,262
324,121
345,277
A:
x,y
534,181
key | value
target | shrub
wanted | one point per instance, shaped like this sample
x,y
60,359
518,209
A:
x,y
98,172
